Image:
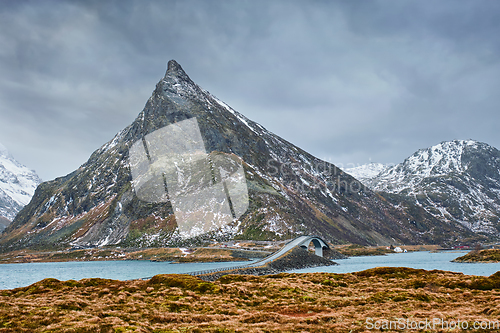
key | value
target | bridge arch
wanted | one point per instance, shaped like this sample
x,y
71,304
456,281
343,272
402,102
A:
x,y
318,243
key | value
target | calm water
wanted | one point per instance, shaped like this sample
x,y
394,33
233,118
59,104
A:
x,y
425,260
20,275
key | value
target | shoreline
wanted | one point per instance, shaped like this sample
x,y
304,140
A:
x,y
174,255
184,255
480,256
190,255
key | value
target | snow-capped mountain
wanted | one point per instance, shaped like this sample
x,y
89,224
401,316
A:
x,y
454,181
290,192
366,172
17,184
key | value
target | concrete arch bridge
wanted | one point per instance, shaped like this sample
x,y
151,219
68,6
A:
x,y
302,241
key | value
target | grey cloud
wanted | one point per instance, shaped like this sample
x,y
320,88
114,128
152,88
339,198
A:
x,y
345,80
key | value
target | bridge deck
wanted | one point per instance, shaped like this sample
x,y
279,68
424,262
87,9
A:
x,y
288,246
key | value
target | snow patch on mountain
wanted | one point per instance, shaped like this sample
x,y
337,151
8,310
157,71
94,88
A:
x,y
366,172
439,160
17,184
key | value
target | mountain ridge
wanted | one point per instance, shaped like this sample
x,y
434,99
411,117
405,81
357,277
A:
x,y
455,181
290,191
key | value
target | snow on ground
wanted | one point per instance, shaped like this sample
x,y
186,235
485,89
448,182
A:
x,y
184,250
365,172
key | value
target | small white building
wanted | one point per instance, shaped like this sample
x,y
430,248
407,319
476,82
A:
x,y
398,249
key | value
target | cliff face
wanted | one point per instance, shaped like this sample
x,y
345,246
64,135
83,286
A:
x,y
290,192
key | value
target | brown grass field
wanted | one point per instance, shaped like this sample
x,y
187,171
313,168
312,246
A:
x,y
316,302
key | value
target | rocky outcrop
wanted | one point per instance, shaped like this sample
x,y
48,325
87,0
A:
x,y
332,254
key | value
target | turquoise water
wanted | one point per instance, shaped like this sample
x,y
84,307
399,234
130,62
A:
x,y
424,260
20,275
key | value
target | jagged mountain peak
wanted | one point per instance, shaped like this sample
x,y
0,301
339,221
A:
x,y
175,70
440,159
290,192
174,67
447,157
174,96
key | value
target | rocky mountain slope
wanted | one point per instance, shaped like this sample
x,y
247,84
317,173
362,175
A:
x,y
455,181
290,192
17,185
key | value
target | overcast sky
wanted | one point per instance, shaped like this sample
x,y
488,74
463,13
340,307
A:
x,y
349,81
